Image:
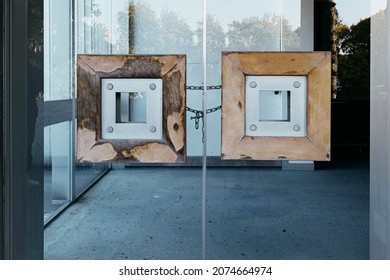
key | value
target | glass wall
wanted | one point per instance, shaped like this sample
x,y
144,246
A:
x,y
174,27
41,132
64,178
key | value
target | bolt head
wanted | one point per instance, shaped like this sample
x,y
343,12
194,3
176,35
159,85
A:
x,y
297,127
152,86
297,84
152,129
253,84
109,129
110,86
253,127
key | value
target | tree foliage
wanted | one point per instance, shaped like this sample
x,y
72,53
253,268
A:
x,y
354,60
145,32
262,34
35,34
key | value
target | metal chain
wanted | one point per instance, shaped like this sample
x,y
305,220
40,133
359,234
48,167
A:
x,y
199,114
212,110
201,87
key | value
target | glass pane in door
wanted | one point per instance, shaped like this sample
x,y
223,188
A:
x,y
140,211
237,214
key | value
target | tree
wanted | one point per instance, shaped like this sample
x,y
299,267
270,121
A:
x,y
140,31
35,34
254,33
354,59
290,37
126,22
260,34
215,38
175,34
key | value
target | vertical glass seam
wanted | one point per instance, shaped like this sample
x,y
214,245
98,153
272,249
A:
x,y
204,128
72,160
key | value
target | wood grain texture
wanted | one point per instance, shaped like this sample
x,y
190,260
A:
x,y
92,68
236,66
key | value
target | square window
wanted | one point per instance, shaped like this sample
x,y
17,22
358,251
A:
x,y
131,108
276,106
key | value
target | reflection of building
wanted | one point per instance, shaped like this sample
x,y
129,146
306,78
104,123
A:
x,y
85,28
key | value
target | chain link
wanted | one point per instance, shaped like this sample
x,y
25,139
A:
x,y
212,110
199,113
201,87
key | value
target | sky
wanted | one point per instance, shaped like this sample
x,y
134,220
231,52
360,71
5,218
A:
x,y
351,11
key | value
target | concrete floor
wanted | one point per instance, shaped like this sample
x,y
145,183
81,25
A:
x,y
252,213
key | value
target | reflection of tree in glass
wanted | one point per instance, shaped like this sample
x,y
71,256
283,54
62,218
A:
x,y
141,30
138,29
176,35
125,42
261,34
95,41
215,39
291,38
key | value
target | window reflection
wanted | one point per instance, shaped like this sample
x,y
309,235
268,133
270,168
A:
x,y
57,169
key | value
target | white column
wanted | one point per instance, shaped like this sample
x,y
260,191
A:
x,y
307,25
380,134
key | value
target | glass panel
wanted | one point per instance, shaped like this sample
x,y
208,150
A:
x,y
249,25
148,27
380,130
57,153
85,175
58,50
274,105
162,203
59,85
235,197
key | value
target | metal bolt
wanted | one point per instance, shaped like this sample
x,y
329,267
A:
x,y
253,84
152,86
297,84
253,127
110,86
152,129
297,127
109,129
